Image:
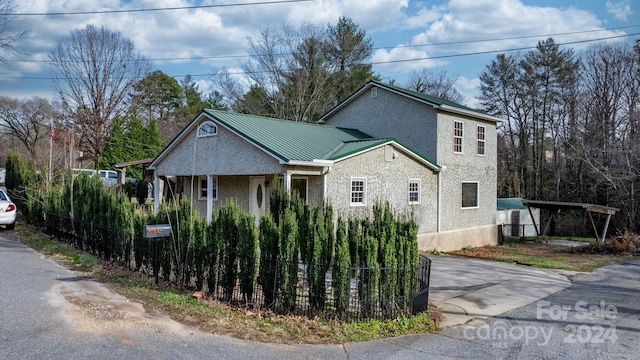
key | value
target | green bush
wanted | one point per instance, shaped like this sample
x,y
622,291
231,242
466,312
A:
x,y
248,254
269,239
340,270
142,190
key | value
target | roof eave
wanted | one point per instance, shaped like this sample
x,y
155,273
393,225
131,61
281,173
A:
x,y
474,114
314,162
415,156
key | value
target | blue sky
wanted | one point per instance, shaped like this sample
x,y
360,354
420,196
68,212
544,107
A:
x,y
407,35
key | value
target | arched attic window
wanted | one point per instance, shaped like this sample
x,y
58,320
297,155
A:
x,y
207,128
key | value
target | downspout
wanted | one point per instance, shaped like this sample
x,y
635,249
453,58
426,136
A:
x,y
209,198
438,199
324,184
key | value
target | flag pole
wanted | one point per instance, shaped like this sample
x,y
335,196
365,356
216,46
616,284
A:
x,y
51,153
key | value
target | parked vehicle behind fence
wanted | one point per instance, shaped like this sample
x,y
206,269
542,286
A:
x,y
108,177
8,211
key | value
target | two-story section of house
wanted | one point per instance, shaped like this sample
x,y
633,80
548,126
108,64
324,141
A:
x,y
461,140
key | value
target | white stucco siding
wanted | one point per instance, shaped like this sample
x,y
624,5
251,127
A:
x,y
467,167
230,188
389,115
223,154
385,181
315,191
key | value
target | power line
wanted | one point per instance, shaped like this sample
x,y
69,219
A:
x,y
375,62
375,48
500,51
155,9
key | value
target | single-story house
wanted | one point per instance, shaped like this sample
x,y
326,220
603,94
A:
x,y
221,156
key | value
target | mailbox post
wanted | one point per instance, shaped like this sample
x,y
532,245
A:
x,y
156,233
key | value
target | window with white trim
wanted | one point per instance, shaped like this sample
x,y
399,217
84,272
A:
x,y
203,188
207,128
482,140
414,191
469,195
358,191
458,135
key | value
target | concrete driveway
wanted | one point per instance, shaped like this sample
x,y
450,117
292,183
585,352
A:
x,y
597,317
465,288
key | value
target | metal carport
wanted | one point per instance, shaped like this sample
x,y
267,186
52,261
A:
x,y
555,207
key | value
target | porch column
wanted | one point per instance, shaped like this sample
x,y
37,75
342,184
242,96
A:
x,y
287,182
156,194
209,198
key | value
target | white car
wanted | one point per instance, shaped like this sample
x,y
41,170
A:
x,y
8,211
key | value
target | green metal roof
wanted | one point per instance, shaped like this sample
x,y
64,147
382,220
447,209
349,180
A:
x,y
290,140
297,141
425,97
352,147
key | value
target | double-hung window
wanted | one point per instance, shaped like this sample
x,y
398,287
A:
x,y
203,188
482,140
458,136
358,192
414,191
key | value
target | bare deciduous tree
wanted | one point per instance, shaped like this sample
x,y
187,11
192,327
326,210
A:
x,y
438,84
299,73
27,121
94,69
10,32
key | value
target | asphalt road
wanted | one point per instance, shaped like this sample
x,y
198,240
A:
x,y
49,312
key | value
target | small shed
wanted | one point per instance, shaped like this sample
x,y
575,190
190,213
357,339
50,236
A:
x,y
515,217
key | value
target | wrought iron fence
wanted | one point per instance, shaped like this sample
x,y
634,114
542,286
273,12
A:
x,y
370,293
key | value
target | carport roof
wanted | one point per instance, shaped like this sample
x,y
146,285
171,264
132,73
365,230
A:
x,y
558,205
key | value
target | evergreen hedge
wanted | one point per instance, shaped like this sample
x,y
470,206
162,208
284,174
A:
x,y
294,242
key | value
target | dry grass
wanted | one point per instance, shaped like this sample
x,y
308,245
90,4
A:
x,y
219,318
543,255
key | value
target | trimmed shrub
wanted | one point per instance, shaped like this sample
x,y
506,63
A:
x,y
340,270
269,238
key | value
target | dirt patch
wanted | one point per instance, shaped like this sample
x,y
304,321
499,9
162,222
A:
x,y
88,305
545,255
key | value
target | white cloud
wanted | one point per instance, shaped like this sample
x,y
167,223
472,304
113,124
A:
x,y
425,16
620,10
495,19
221,32
469,88
373,15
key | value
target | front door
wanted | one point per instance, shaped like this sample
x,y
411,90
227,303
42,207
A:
x,y
257,195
